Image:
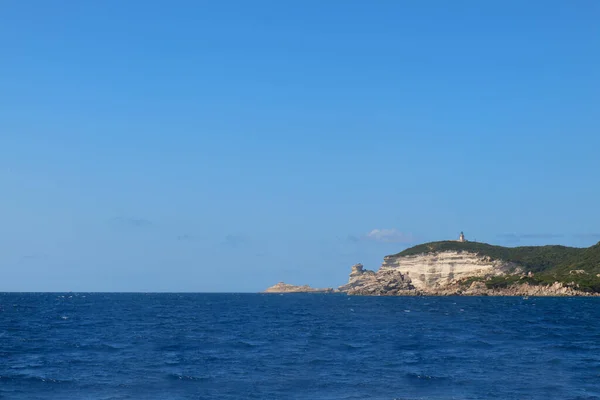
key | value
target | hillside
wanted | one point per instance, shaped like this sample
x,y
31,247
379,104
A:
x,y
570,265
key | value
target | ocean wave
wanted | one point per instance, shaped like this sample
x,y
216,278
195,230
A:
x,y
425,377
183,377
243,344
25,378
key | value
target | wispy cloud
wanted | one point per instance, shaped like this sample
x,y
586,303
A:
x,y
509,238
515,236
587,236
389,236
34,256
132,222
185,237
541,235
235,240
354,239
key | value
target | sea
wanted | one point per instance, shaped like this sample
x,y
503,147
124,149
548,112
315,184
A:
x,y
297,346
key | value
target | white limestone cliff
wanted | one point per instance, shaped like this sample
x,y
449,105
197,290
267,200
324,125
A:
x,y
434,270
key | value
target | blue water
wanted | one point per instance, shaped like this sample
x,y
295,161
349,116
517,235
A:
x,y
250,346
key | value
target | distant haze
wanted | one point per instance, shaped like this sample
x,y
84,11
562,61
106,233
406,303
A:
x,y
226,146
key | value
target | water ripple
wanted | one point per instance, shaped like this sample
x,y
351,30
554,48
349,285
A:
x,y
205,346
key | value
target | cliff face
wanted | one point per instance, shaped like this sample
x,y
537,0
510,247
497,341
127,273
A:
x,y
448,273
434,270
282,287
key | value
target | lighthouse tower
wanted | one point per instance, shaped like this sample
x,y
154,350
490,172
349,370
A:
x,y
461,238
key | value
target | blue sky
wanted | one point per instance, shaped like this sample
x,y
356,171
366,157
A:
x,y
225,146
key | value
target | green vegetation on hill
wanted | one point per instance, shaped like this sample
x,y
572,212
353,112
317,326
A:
x,y
531,258
578,267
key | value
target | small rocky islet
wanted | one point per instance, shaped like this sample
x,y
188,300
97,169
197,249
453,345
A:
x,y
460,267
282,287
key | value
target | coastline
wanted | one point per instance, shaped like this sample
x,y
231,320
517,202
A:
x,y
462,268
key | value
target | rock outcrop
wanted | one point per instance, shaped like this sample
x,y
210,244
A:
x,y
388,282
479,288
282,287
525,289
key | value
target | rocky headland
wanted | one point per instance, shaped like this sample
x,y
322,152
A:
x,y
479,269
475,269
